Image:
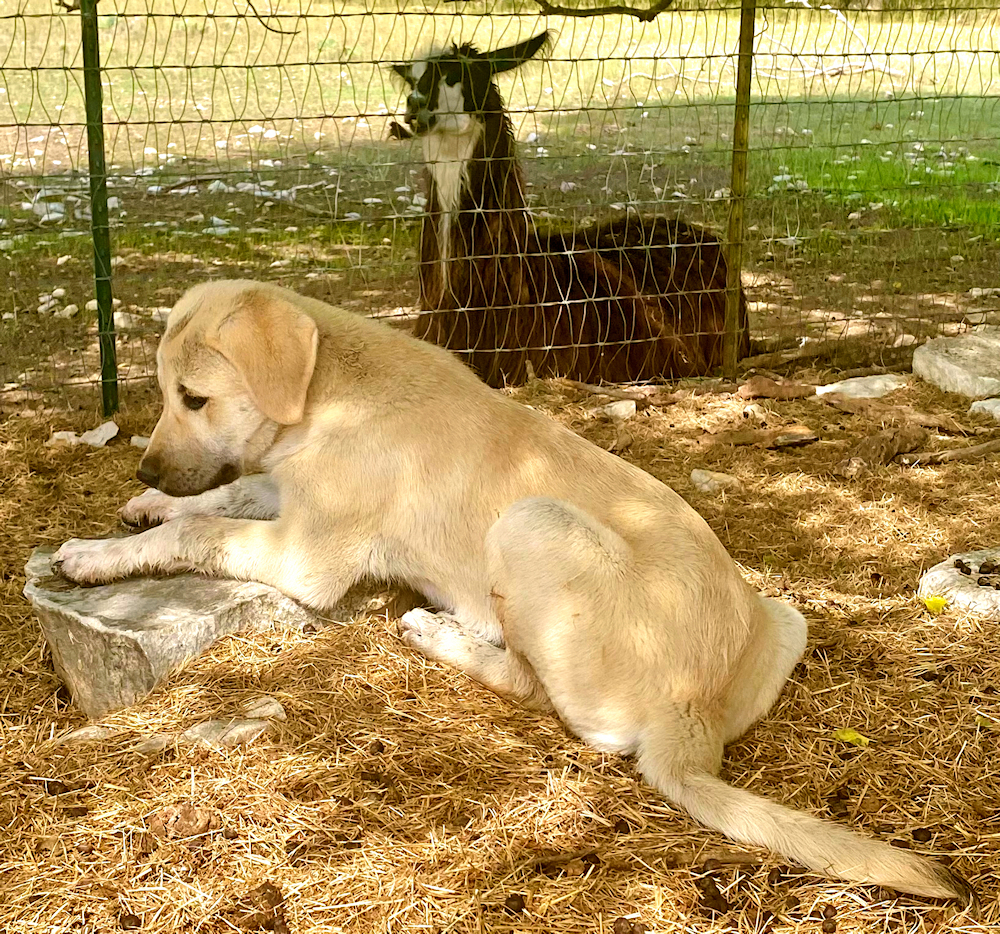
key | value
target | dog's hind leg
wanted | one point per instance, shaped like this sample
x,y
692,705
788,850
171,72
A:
x,y
443,638
251,497
765,667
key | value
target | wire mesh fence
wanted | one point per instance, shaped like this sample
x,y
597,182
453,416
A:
x,y
254,141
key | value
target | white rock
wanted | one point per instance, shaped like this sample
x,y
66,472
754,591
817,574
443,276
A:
x,y
352,216
91,305
865,387
68,311
968,363
138,441
114,204
99,436
983,293
63,437
59,293
709,481
371,201
52,218
565,187
962,591
621,408
986,407
125,320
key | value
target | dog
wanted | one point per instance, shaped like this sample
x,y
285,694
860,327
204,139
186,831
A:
x,y
308,448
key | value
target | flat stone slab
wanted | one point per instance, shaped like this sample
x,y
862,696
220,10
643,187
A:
x,y
965,582
967,363
113,644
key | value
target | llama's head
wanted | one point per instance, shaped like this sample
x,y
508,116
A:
x,y
450,90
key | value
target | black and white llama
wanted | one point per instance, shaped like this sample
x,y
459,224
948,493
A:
x,y
635,298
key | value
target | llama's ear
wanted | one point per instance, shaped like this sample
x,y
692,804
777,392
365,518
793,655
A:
x,y
514,55
404,72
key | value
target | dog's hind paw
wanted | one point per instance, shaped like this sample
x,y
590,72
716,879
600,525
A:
x,y
148,509
435,636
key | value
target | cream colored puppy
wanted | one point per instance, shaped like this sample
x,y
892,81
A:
x,y
568,579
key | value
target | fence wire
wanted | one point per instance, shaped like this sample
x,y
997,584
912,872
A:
x,y
253,141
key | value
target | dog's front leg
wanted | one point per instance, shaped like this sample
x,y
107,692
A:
x,y
241,549
251,497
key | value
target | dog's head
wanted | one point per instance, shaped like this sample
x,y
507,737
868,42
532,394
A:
x,y
234,366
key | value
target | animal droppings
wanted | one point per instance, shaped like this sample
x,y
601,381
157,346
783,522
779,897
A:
x,y
514,904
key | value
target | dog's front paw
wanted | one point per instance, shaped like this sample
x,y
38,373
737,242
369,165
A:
x,y
90,561
148,509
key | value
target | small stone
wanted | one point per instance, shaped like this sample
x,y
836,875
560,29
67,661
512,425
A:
x,y
63,260
139,441
88,734
99,436
710,481
989,407
225,734
263,708
68,312
865,387
59,293
621,408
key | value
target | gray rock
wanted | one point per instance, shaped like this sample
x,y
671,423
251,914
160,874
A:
x,y
114,644
865,387
963,591
986,407
968,363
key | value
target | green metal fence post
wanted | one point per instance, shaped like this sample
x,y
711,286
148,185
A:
x,y
99,204
738,188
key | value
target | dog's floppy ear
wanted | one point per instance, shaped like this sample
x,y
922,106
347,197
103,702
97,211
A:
x,y
273,346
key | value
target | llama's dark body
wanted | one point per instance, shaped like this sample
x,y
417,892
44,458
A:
x,y
636,298
633,299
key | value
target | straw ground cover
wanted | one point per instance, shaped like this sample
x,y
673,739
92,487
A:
x,y
398,796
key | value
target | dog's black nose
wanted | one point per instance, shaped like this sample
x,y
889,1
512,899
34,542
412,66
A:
x,y
149,471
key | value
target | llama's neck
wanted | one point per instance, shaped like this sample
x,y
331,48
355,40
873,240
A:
x,y
448,156
478,166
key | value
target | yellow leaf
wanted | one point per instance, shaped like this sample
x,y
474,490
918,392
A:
x,y
936,604
851,736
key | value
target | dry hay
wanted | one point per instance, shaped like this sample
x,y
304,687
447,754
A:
x,y
399,796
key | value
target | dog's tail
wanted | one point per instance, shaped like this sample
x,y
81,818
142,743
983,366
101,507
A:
x,y
814,843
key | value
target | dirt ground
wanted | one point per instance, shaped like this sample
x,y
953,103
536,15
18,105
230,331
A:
x,y
399,796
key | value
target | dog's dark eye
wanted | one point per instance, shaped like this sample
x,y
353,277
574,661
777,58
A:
x,y
194,402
